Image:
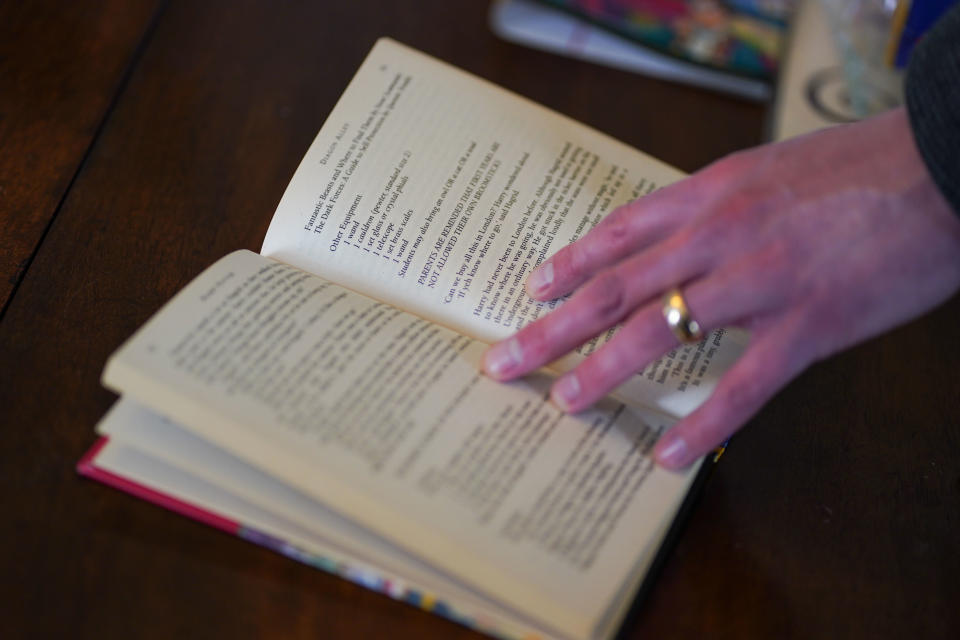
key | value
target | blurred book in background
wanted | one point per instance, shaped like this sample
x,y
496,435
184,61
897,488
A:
x,y
734,47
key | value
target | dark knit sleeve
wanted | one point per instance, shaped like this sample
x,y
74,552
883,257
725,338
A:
x,y
933,103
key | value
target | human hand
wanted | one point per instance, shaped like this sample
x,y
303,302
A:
x,y
813,245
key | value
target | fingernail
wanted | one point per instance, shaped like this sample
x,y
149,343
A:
x,y
541,279
673,450
502,357
566,390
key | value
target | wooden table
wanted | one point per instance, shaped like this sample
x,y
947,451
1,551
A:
x,y
140,141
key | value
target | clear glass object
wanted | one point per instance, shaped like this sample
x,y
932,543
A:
x,y
864,31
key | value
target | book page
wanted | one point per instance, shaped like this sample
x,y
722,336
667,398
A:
x,y
151,451
385,418
438,192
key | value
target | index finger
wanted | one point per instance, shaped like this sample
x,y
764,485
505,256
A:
x,y
628,229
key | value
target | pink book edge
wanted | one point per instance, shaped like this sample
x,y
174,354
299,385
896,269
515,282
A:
x,y
88,467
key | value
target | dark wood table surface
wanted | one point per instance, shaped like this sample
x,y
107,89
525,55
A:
x,y
141,140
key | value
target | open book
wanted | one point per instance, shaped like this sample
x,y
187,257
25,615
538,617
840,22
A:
x,y
324,398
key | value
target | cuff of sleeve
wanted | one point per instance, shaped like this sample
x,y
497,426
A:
x,y
933,104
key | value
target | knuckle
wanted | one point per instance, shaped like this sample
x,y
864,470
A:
x,y
742,207
627,353
616,231
610,238
735,218
622,357
606,368
727,169
604,299
616,240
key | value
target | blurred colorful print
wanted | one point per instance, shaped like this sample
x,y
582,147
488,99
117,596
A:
x,y
743,37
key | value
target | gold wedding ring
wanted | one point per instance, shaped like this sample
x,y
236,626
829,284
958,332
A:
x,y
678,317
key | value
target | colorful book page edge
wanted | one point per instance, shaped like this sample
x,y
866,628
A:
x,y
364,577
